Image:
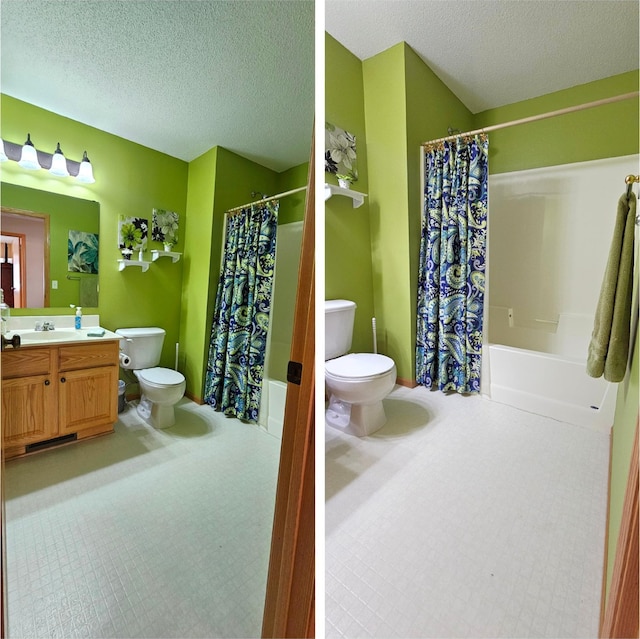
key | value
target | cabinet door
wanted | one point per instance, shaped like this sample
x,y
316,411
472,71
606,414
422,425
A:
x,y
87,398
29,410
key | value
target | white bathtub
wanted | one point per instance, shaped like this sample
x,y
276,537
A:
x,y
272,401
549,385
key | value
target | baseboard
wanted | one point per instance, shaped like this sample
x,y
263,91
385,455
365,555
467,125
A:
x,y
194,398
407,383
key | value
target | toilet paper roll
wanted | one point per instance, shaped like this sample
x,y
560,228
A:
x,y
125,360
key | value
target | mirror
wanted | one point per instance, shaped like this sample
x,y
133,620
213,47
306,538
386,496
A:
x,y
48,249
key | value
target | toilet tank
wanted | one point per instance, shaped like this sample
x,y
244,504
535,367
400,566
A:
x,y
339,316
142,345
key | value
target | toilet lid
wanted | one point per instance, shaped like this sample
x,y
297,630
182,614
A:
x,y
161,376
359,365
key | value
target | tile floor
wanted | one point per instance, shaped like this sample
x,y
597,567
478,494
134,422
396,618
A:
x,y
463,517
143,533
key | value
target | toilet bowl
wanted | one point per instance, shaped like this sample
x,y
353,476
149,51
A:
x,y
357,383
160,389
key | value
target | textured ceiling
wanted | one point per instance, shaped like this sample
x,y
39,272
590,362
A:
x,y
496,52
178,76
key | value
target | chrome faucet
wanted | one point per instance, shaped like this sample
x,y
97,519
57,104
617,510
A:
x,y
45,326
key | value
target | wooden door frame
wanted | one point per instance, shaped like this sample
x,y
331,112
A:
x,y
22,243
290,597
620,618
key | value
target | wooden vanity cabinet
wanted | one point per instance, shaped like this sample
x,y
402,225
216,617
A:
x,y
58,391
29,398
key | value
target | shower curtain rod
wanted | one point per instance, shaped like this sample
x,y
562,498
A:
x,y
535,118
266,199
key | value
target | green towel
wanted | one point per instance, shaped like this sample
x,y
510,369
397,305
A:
x,y
88,291
609,347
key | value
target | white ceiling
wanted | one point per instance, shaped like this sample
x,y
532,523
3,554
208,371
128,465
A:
x,y
496,52
178,76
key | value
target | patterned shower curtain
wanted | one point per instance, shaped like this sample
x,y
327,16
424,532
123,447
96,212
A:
x,y
241,317
452,266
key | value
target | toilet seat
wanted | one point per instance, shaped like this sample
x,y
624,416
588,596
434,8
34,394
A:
x,y
158,377
359,366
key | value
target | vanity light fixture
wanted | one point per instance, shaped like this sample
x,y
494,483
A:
x,y
85,173
59,163
29,156
55,163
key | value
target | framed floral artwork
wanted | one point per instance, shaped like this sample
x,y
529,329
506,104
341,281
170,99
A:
x,y
132,234
340,152
82,252
164,227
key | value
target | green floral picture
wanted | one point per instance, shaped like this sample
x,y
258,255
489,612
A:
x,y
164,227
132,234
82,252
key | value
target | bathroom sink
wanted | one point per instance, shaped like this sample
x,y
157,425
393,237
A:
x,y
57,335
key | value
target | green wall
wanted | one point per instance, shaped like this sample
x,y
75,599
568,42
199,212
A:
x,y
386,123
592,134
348,263
199,240
130,180
372,251
292,206
404,103
624,428
431,108
220,180
133,180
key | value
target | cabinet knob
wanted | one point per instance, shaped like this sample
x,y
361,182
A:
x,y
63,379
47,382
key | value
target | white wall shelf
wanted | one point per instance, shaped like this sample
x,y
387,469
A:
x,y
157,254
122,264
356,196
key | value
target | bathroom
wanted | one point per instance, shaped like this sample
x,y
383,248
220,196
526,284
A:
x,y
256,148
410,553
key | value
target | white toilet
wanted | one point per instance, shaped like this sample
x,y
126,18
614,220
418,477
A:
x,y
356,382
160,388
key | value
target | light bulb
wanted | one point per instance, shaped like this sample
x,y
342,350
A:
x,y
29,156
85,174
59,163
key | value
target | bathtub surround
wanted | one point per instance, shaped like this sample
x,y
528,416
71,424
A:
x,y
284,298
241,316
549,384
451,278
548,243
609,347
274,385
